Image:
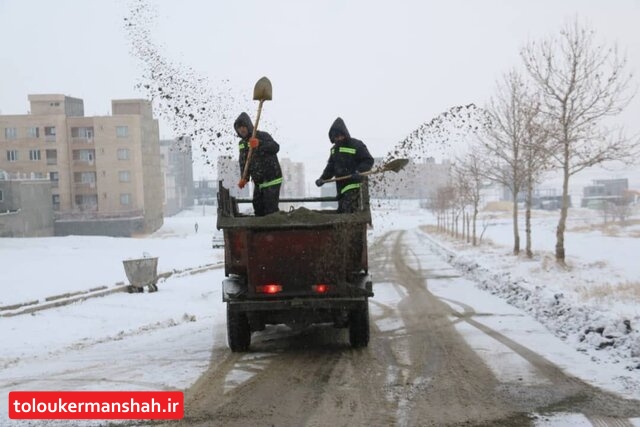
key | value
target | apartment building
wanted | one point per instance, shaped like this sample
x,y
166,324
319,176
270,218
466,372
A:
x,y
228,169
177,169
105,171
293,184
418,180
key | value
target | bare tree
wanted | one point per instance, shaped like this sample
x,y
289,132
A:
x,y
461,185
470,170
582,84
505,136
440,203
536,152
622,209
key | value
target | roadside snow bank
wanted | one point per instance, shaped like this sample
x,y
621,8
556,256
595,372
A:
x,y
545,291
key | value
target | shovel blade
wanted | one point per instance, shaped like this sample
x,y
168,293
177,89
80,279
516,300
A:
x,y
262,90
395,165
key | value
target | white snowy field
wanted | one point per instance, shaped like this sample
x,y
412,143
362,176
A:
x,y
36,268
165,340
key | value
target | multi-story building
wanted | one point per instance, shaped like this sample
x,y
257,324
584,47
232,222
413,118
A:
x,y
105,171
293,182
415,181
177,167
293,173
606,190
229,173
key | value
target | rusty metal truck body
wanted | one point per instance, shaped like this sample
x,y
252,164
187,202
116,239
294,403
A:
x,y
299,267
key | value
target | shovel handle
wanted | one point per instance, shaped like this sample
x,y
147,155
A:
x,y
394,166
342,178
245,170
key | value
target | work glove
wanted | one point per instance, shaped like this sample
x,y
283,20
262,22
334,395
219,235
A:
x,y
254,142
319,182
242,183
356,176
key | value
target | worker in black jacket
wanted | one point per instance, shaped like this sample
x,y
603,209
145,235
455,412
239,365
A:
x,y
349,156
264,167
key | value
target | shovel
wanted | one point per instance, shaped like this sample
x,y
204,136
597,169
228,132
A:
x,y
395,165
261,92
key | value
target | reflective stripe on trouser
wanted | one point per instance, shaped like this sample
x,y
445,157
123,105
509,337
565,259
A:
x,y
270,183
349,187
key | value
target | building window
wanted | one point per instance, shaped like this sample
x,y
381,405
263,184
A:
x,y
82,132
125,176
122,131
34,155
123,154
1,196
10,133
125,199
52,157
55,198
84,177
50,133
84,155
33,132
12,155
54,177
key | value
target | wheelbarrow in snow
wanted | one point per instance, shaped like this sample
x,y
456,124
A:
x,y
141,272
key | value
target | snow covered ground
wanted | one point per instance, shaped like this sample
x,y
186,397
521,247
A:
x,y
592,303
591,308
33,269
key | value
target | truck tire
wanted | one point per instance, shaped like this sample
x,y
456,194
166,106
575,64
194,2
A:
x,y
238,332
359,326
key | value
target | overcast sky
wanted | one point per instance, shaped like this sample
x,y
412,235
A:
x,y
384,67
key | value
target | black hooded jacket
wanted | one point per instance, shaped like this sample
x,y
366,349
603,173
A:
x,y
347,156
264,166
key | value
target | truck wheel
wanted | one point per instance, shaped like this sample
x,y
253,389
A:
x,y
238,332
359,326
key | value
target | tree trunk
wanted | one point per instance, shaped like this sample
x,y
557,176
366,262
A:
x,y
516,233
451,226
527,218
564,210
456,218
475,218
468,226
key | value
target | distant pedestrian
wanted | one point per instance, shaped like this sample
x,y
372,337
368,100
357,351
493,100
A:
x,y
196,227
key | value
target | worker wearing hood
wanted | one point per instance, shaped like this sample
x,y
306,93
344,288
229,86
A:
x,y
348,157
264,167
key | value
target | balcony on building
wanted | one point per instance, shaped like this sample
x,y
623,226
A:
x,y
82,135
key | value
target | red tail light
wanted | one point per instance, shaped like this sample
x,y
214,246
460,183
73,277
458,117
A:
x,y
320,288
271,288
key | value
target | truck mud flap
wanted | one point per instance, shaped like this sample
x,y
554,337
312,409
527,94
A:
x,y
364,284
233,287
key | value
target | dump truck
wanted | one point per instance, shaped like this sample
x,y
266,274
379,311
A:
x,y
296,267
